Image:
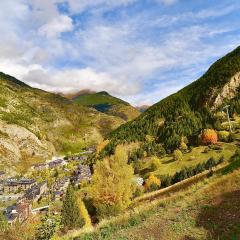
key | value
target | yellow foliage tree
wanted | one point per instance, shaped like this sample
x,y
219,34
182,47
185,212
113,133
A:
x,y
112,184
155,163
101,146
177,155
152,183
84,213
183,145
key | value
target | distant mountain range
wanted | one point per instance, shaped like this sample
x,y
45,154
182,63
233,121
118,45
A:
x,y
193,108
143,108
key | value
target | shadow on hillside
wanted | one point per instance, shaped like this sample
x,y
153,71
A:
x,y
222,218
169,161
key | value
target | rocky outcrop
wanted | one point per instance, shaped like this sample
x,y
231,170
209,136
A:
x,y
228,91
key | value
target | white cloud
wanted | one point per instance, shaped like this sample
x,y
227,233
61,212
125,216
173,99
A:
x,y
120,56
56,26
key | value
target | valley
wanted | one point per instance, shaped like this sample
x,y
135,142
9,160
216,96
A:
x,y
167,173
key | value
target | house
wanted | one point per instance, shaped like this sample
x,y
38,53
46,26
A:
x,y
18,212
82,158
56,163
13,185
36,191
40,166
83,172
57,195
61,184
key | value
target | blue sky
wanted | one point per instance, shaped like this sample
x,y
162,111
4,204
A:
x,y
139,50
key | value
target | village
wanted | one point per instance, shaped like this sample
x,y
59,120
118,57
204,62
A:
x,y
22,197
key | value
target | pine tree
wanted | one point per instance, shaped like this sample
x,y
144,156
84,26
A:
x,y
71,217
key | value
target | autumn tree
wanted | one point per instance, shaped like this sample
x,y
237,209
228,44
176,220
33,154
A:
x,y
223,136
152,183
183,144
209,136
155,163
177,155
101,146
112,184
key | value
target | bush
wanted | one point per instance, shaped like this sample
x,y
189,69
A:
x,y
208,136
152,183
223,136
177,155
166,181
231,137
155,163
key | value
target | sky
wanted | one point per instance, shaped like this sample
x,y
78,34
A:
x,y
138,50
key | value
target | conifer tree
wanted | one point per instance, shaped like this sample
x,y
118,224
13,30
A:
x,y
71,217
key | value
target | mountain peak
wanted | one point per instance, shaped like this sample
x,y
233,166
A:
x,y
103,93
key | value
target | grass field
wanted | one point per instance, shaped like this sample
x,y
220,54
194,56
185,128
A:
x,y
207,210
170,166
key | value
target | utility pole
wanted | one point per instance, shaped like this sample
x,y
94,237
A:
x,y
229,122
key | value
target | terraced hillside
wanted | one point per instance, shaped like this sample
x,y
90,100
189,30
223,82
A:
x,y
34,125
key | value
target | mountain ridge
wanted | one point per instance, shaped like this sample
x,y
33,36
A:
x,y
35,125
106,103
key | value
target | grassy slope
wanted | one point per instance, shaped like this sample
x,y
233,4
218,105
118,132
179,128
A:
x,y
169,166
98,98
208,209
106,103
60,125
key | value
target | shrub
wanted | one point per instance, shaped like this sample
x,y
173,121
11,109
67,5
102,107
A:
x,y
223,136
46,229
166,181
152,183
177,155
209,136
231,137
155,163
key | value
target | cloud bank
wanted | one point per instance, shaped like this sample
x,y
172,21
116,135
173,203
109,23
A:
x,y
141,51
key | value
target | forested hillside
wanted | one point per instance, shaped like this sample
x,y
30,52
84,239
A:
x,y
186,112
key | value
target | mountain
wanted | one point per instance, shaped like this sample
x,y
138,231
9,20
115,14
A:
x,y
186,112
142,108
104,102
73,95
35,125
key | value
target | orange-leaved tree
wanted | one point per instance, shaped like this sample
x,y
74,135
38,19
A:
x,y
209,136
